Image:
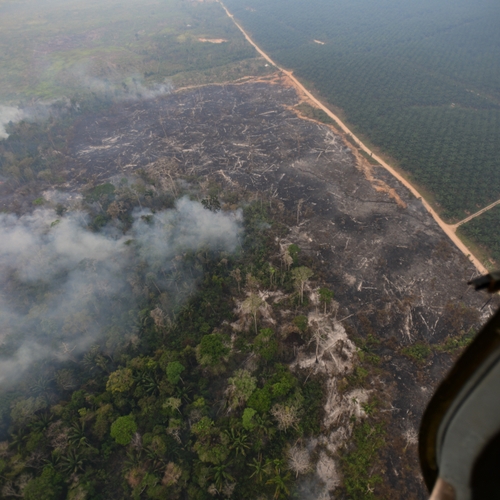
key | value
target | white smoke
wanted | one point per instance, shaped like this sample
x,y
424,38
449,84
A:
x,y
9,114
114,85
123,89
189,226
34,112
63,287
128,89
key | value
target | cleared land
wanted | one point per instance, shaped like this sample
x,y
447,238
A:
x,y
394,275
449,230
399,284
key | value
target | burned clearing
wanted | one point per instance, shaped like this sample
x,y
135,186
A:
x,y
375,239
396,277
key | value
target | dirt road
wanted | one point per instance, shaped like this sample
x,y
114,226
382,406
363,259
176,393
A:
x,y
449,230
473,216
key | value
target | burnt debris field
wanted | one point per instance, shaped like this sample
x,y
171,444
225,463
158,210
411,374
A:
x,y
399,284
375,239
400,293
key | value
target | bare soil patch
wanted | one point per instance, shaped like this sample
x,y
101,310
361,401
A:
x,y
212,40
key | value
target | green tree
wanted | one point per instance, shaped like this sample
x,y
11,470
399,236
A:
x,y
120,381
23,411
123,428
301,323
325,297
212,452
173,404
174,370
241,387
251,306
272,275
203,428
236,274
265,344
294,251
212,350
260,400
300,277
48,486
211,203
65,379
246,419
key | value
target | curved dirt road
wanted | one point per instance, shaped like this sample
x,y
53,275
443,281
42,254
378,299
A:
x,y
449,230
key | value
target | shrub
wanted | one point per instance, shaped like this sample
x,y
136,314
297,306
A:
x,y
417,352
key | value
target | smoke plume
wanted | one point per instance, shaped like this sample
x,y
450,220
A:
x,y
127,89
64,288
35,112
114,89
9,114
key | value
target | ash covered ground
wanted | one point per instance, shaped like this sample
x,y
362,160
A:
x,y
394,273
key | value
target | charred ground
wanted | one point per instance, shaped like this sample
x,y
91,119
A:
x,y
399,284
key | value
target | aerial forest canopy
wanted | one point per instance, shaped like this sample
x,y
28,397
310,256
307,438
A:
x,y
122,355
418,80
205,291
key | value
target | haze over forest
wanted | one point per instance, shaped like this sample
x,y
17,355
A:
x,y
208,288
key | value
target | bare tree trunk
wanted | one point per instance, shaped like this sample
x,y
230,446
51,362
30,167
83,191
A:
x,y
299,206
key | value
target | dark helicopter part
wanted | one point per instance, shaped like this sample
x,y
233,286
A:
x,y
459,442
489,281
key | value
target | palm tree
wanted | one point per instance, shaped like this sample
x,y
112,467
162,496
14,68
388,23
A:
x,y
156,462
220,475
54,460
264,426
72,463
188,311
183,392
239,441
134,459
94,360
259,469
77,435
19,438
42,421
275,464
279,482
41,386
150,384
